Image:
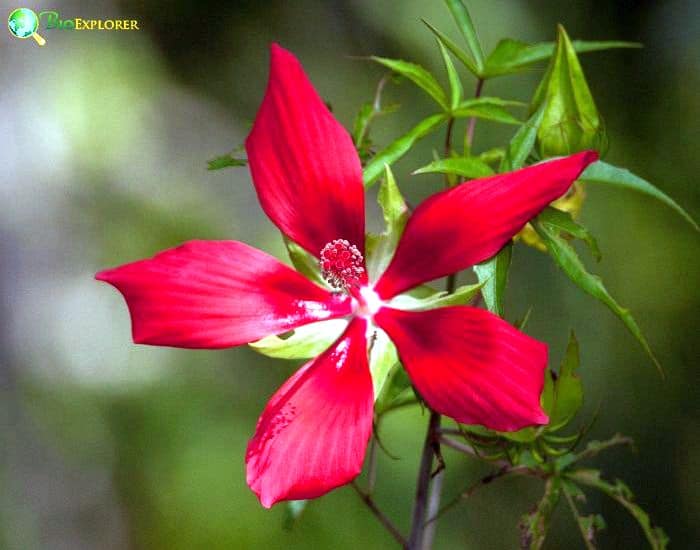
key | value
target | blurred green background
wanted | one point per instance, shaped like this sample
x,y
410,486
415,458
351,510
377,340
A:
x,y
104,139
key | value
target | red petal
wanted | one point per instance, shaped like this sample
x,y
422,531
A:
x,y
216,294
465,225
470,365
304,165
312,435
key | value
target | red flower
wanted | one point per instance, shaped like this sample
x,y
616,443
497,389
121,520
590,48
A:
x,y
465,362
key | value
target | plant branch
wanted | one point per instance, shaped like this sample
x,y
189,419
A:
x,y
433,509
472,121
452,277
595,447
586,536
372,470
415,541
459,446
384,520
469,491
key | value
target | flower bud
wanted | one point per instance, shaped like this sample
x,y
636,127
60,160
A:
x,y
571,122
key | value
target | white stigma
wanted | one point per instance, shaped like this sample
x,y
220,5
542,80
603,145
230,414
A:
x,y
370,303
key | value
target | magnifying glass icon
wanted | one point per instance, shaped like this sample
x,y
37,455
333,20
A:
x,y
23,23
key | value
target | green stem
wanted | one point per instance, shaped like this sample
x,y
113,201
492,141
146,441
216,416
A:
x,y
415,541
385,521
472,121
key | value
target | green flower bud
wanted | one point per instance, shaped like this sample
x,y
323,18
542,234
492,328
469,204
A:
x,y
571,122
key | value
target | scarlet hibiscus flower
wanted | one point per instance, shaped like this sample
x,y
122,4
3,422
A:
x,y
465,362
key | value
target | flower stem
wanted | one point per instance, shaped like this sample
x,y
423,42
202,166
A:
x,y
385,521
472,121
426,507
433,508
415,541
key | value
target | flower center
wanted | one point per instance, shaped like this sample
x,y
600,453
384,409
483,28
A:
x,y
368,302
342,264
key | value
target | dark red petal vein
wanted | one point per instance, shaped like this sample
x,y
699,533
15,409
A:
x,y
304,165
470,365
216,294
312,435
469,223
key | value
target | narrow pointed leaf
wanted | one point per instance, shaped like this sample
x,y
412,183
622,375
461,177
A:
x,y
522,143
607,174
398,148
304,342
493,156
493,274
458,52
305,263
567,258
589,526
467,167
563,221
488,108
618,491
364,118
512,56
396,392
456,89
382,357
460,297
534,526
466,27
380,248
225,161
568,390
418,75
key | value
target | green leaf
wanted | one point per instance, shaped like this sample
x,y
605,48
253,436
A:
x,y
589,526
396,392
568,390
466,27
604,173
364,118
492,156
225,161
534,525
399,148
461,296
468,167
456,89
380,248
524,435
292,513
458,52
565,256
419,76
512,56
595,447
547,397
488,108
522,143
304,262
658,540
562,221
493,274
382,357
571,122
304,342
